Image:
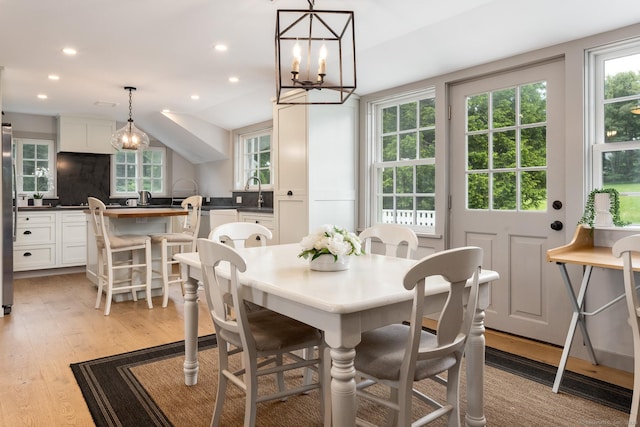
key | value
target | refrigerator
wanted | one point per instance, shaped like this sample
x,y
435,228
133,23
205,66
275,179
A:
x,y
9,217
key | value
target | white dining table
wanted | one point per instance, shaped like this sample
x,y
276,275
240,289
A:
x,y
343,304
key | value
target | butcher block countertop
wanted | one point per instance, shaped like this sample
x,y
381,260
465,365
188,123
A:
x,y
143,212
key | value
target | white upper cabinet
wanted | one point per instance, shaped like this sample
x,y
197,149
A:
x,y
85,135
315,167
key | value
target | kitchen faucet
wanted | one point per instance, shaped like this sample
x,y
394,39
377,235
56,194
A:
x,y
246,188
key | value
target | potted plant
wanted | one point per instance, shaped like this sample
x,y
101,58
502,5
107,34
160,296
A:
x,y
37,199
602,211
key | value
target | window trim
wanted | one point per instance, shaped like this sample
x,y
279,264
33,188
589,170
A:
x,y
594,109
139,153
239,153
18,159
374,130
595,58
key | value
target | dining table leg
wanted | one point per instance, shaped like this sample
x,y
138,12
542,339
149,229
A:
x,y
343,387
475,372
191,364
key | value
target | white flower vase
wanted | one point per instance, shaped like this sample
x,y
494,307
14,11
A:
x,y
327,262
37,202
602,204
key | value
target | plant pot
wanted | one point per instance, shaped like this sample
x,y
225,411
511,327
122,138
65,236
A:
x,y
37,202
329,263
602,204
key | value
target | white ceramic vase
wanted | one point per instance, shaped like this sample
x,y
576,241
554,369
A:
x,y
327,262
37,202
602,204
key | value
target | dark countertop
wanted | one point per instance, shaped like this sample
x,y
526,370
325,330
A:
x,y
252,209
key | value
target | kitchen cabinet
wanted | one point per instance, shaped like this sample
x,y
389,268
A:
x,y
85,135
35,245
262,219
73,242
51,239
221,216
315,166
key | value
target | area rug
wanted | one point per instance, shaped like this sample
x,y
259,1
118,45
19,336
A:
x,y
146,388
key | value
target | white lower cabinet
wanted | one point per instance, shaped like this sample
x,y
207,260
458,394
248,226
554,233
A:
x,y
49,240
221,216
262,219
73,242
35,245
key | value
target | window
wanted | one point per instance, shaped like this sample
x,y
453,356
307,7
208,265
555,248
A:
x,y
404,167
614,123
254,158
506,140
35,166
134,171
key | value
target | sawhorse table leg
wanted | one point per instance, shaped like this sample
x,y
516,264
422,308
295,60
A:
x,y
577,319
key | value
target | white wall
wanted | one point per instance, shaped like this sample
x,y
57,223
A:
x,y
216,178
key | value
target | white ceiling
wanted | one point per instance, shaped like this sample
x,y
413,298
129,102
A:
x,y
165,49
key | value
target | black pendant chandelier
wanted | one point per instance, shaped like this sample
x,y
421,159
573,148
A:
x,y
315,50
129,137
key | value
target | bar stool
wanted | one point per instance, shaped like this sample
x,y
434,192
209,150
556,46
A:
x,y
109,245
185,240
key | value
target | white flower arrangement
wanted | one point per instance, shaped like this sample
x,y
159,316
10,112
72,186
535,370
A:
x,y
330,240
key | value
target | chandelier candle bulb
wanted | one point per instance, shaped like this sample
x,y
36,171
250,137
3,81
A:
x,y
297,56
322,61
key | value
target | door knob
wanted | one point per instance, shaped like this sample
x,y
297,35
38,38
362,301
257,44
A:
x,y
557,225
557,205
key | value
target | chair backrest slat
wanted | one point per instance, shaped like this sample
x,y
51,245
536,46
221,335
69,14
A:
x,y
218,295
457,266
235,234
392,236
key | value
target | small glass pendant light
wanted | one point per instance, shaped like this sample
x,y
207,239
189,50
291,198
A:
x,y
129,137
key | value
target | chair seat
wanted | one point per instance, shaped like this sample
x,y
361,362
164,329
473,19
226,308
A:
x,y
381,352
273,331
172,238
126,240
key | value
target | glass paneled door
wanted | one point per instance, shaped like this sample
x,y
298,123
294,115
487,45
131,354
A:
x,y
507,170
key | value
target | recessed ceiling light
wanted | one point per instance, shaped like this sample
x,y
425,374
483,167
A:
x,y
42,96
54,77
166,110
69,51
221,47
234,79
195,97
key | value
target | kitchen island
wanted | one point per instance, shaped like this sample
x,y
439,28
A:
x,y
141,221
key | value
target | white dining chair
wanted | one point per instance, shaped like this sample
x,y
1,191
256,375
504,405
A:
x,y
392,236
398,355
117,253
184,240
625,248
262,337
238,234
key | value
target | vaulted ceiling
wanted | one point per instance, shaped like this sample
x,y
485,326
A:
x,y
166,50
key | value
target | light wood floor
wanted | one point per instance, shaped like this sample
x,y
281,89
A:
x,y
53,324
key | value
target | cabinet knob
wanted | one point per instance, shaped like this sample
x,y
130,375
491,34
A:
x,y
27,232
27,254
289,193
